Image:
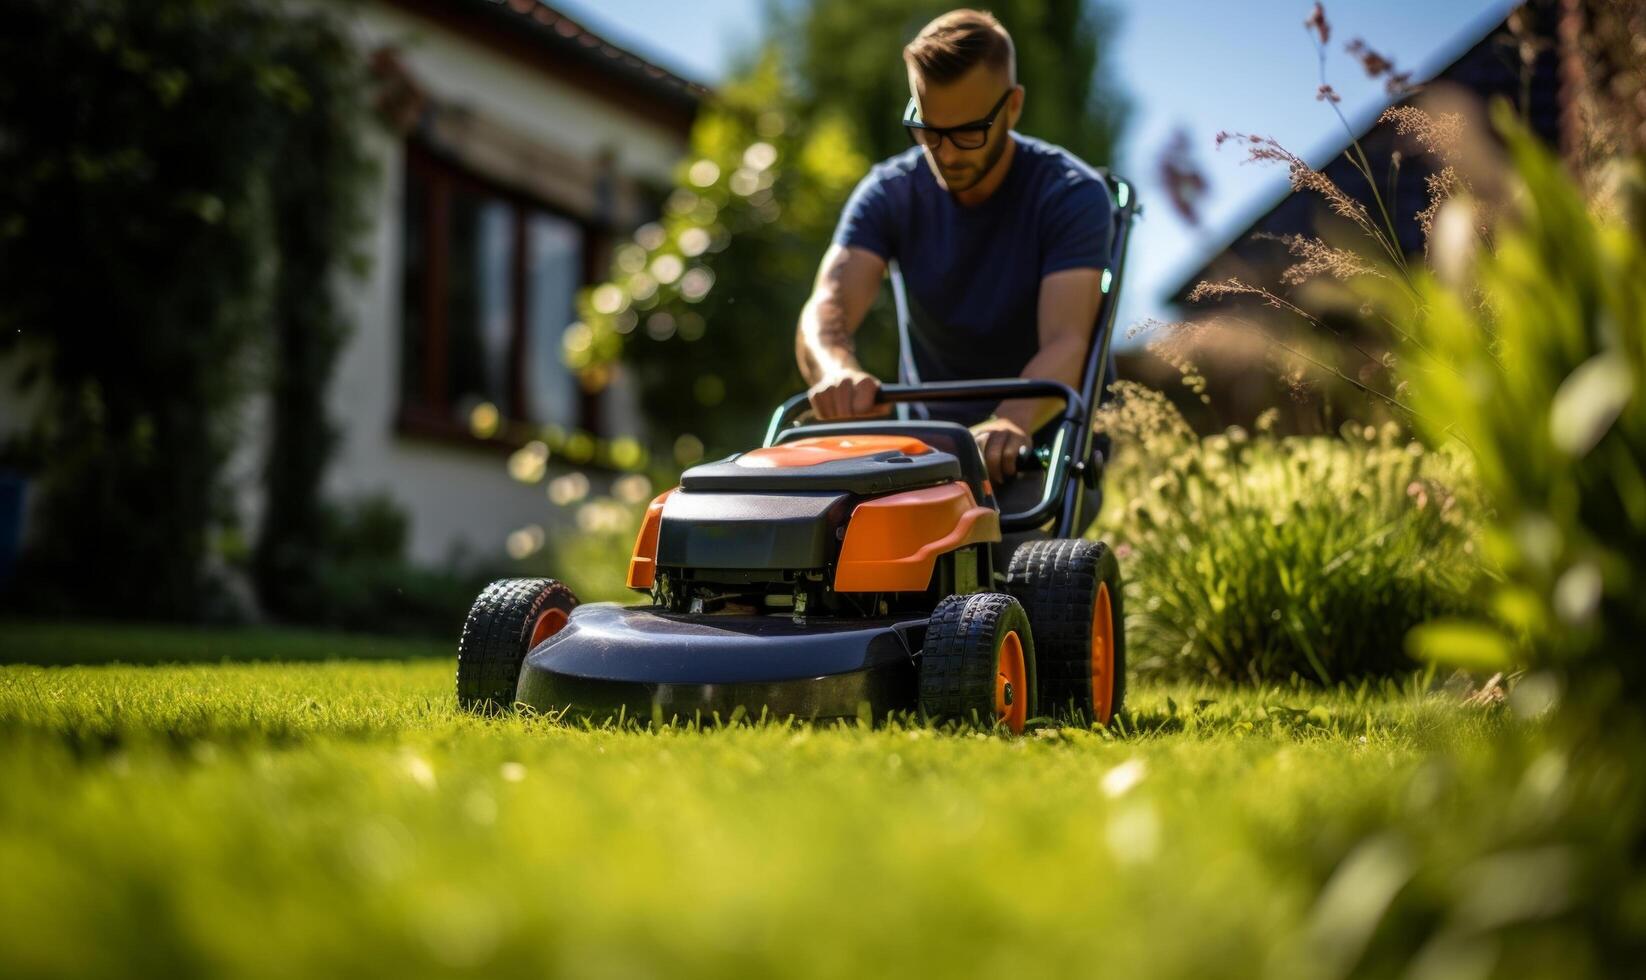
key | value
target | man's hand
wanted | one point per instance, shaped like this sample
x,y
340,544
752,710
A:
x,y
846,394
999,440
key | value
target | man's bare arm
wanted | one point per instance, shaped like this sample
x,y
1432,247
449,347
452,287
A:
x,y
847,281
1067,315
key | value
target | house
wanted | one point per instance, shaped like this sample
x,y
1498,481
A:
x,y
521,147
1517,59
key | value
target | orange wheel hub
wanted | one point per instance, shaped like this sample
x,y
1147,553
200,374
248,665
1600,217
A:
x,y
1011,690
1102,655
548,623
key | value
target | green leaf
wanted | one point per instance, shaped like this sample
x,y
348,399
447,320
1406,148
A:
x,y
1460,643
1589,401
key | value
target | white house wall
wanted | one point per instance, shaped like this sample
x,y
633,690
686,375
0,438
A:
x,y
459,72
461,501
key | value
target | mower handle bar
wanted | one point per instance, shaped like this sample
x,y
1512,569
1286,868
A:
x,y
1063,448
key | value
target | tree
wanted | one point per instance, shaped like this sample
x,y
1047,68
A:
x,y
849,58
151,155
701,307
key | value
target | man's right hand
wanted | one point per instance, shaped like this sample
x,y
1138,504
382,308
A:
x,y
846,394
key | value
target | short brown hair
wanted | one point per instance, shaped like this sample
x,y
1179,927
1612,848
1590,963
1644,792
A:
x,y
958,41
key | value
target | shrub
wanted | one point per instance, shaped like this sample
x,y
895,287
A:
x,y
156,169
359,579
1251,557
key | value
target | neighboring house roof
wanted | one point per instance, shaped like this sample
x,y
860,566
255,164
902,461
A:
x,y
1489,66
550,41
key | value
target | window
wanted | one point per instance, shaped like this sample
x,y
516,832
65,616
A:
x,y
489,283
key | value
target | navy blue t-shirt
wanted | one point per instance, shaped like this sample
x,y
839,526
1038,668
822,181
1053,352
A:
x,y
972,274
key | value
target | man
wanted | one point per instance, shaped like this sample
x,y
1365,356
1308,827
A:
x,y
1000,239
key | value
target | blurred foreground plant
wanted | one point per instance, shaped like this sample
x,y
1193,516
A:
x,y
1532,354
1534,357
1251,557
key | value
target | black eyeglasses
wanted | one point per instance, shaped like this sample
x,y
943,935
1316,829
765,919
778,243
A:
x,y
968,136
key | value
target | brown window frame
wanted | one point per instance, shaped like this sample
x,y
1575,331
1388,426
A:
x,y
430,415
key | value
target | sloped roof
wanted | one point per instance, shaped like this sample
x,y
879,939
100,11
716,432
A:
x,y
1471,67
551,40
566,35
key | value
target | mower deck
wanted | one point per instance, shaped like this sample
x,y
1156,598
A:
x,y
638,662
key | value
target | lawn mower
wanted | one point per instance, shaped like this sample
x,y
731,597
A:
x,y
845,569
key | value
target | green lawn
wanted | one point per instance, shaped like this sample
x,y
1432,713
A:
x,y
58,644
341,818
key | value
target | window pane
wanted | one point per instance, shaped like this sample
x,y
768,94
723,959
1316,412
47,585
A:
x,y
554,253
414,285
479,328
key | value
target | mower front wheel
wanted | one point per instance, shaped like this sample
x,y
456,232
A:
x,y
508,619
977,663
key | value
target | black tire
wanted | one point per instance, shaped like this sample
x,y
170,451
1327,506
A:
x,y
960,660
498,634
1058,583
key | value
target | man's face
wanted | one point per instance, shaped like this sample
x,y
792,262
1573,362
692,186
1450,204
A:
x,y
965,100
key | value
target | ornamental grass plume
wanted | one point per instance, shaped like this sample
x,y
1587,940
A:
x,y
1318,25
1316,259
1186,184
1266,149
1337,260
1439,134
1396,83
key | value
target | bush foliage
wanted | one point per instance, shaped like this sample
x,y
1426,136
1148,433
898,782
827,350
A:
x,y
172,175
701,305
1251,557
355,576
1534,358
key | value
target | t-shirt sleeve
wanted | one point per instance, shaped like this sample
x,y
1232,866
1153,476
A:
x,y
866,221
1079,226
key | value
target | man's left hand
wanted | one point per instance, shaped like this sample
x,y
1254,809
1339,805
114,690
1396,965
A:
x,y
999,440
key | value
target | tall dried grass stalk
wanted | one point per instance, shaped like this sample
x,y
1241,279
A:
x,y
1440,135
1316,259
1266,149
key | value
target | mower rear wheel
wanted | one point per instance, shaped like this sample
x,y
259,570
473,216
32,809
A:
x,y
508,619
977,663
1071,591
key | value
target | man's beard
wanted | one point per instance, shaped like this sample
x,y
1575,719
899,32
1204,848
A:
x,y
959,181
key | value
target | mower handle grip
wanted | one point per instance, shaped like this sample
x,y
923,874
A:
x,y
1030,458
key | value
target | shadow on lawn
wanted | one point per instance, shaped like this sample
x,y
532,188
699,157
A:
x,y
57,644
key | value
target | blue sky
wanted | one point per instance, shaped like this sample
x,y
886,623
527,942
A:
x,y
1198,65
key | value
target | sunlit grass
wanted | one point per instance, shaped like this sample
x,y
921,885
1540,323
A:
x,y
343,818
